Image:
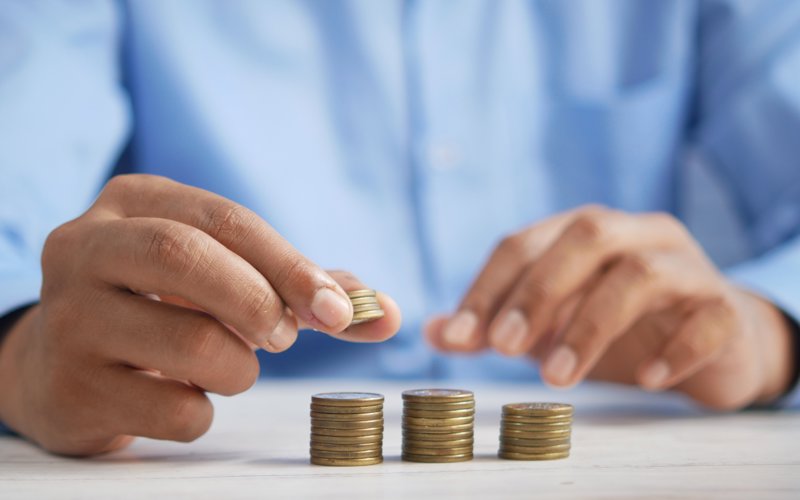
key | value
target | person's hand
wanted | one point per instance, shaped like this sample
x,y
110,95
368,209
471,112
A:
x,y
157,294
628,298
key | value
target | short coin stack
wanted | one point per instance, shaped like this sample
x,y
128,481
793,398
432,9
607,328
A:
x,y
365,306
535,431
438,425
346,428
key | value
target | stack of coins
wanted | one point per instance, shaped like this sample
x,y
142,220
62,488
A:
x,y
346,428
438,425
365,306
535,431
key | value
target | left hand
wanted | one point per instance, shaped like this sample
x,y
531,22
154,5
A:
x,y
630,298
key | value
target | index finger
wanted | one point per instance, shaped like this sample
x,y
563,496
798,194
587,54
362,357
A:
x,y
312,295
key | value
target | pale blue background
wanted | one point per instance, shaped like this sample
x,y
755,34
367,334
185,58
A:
x,y
401,140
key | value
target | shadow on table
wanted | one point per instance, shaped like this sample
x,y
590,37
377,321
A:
x,y
129,457
126,457
627,415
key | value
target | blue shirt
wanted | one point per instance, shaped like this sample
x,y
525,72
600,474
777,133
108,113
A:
x,y
402,139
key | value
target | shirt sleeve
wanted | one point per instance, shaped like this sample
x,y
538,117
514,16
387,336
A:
x,y
63,121
748,128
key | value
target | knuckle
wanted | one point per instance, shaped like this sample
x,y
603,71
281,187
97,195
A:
x,y
479,301
512,246
295,273
594,209
261,307
124,183
244,376
57,244
204,342
722,310
120,184
589,227
175,251
230,222
694,346
637,267
537,291
670,223
190,417
589,333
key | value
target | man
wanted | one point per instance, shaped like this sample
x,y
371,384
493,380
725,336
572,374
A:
x,y
401,141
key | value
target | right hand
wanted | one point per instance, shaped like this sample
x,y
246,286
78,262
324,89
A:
x,y
99,361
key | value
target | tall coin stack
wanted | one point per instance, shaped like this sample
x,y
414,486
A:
x,y
346,428
365,306
535,431
438,425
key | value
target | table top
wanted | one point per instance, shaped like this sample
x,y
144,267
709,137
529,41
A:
x,y
625,444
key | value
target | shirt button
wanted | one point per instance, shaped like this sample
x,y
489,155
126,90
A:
x,y
443,157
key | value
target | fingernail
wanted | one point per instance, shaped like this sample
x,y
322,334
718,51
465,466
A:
x,y
510,333
459,330
330,308
559,366
655,375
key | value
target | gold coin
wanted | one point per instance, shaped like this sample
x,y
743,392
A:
x,y
534,443
367,316
438,395
347,417
427,429
366,292
364,300
360,308
410,412
346,424
366,307
455,443
437,422
464,450
317,445
456,405
347,410
442,436
347,399
370,439
436,459
323,431
533,456
345,454
538,420
535,427
346,462
368,313
537,409
505,447
534,434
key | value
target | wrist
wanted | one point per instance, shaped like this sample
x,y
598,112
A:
x,y
777,351
11,354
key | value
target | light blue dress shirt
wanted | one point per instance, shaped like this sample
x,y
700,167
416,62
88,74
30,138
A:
x,y
402,139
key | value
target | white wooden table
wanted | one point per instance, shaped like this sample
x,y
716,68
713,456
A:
x,y
625,444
